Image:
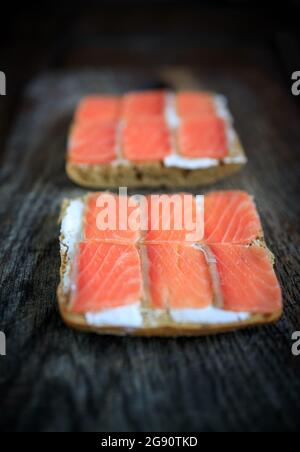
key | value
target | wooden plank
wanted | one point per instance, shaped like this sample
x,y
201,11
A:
x,y
54,378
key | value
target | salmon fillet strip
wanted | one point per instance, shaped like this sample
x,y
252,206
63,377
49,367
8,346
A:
x,y
135,127
107,276
110,267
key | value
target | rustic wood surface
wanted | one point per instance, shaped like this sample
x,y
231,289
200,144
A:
x,y
54,378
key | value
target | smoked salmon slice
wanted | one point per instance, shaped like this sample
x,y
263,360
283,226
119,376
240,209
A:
x,y
93,143
174,218
98,108
247,279
159,272
106,276
178,277
194,104
231,217
202,136
110,217
144,104
146,139
152,138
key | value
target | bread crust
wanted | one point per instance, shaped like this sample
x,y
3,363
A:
x,y
146,175
165,328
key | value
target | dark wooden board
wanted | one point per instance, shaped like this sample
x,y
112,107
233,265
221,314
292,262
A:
x,y
54,378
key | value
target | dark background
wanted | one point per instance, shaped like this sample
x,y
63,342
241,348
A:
x,y
124,33
54,378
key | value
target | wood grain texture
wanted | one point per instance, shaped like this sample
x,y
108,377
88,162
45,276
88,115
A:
x,y
54,378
